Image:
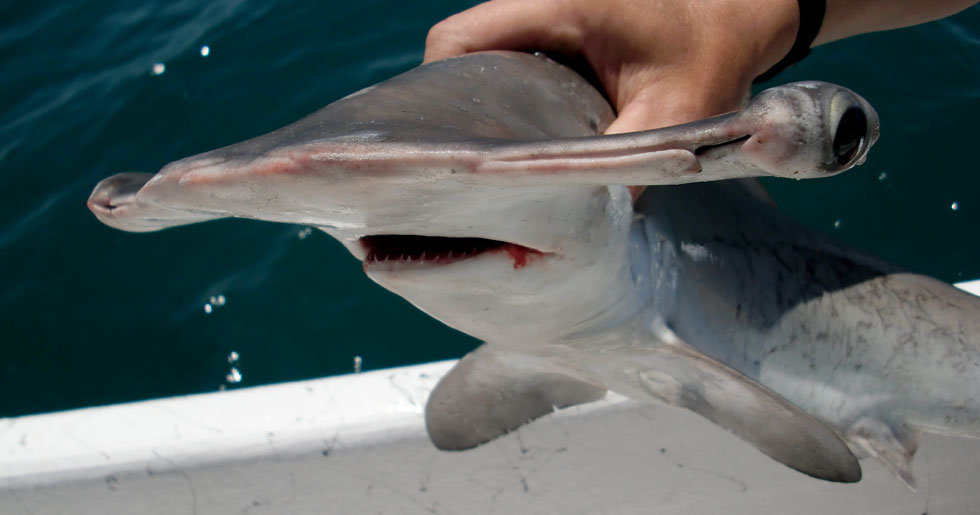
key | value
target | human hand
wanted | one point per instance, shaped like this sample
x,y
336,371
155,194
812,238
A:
x,y
661,62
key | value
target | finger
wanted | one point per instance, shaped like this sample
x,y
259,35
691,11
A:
x,y
639,115
504,25
663,107
667,106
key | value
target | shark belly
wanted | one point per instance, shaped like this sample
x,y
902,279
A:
x,y
876,352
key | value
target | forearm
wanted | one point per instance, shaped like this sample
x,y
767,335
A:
x,y
845,18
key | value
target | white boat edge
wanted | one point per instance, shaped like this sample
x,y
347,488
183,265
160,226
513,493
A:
x,y
356,443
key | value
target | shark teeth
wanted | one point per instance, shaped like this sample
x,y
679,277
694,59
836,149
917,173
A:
x,y
439,250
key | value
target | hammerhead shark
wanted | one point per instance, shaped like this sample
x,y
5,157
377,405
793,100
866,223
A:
x,y
482,190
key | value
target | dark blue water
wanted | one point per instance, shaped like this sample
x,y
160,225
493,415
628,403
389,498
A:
x,y
90,315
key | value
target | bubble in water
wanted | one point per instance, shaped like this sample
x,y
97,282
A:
x,y
159,68
205,51
232,357
216,301
357,364
955,206
234,376
882,176
304,232
837,224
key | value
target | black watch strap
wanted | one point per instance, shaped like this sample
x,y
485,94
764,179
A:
x,y
811,18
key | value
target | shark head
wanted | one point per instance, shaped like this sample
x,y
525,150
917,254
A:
x,y
478,188
481,190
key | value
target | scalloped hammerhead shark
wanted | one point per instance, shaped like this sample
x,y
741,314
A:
x,y
480,189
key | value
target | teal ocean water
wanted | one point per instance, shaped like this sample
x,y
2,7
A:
x,y
90,315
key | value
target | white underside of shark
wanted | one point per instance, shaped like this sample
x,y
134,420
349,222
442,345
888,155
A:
x,y
478,189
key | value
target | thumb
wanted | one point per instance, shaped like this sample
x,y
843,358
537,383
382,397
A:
x,y
656,109
642,113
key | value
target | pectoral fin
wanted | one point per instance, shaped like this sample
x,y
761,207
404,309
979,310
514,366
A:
x,y
492,391
892,445
686,378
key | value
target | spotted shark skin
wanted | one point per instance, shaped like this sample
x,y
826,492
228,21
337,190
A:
x,y
479,189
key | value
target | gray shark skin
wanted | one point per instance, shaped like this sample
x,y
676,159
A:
x,y
479,189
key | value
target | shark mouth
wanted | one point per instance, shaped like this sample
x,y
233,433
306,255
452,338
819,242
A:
x,y
439,250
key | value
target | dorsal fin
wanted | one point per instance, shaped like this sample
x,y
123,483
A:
x,y
492,391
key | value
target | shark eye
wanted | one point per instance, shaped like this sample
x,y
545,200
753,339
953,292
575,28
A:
x,y
850,128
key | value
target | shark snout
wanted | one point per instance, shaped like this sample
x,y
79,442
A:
x,y
130,201
116,191
114,202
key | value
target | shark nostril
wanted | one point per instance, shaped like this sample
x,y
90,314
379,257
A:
x,y
704,148
851,132
594,124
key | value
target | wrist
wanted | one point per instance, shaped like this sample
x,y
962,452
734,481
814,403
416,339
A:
x,y
777,26
747,38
